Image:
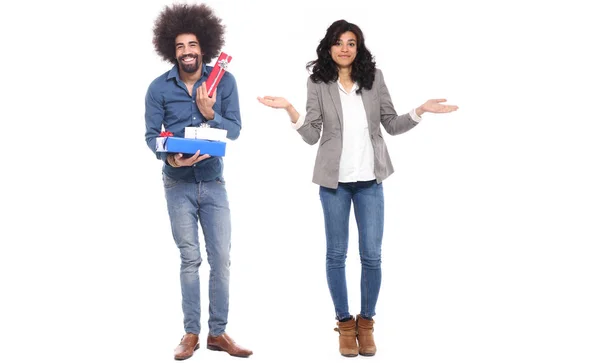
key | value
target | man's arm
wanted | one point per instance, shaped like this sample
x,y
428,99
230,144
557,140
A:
x,y
154,115
228,116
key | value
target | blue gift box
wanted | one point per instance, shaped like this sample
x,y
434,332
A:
x,y
182,145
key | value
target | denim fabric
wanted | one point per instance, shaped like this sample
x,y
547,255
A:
x,y
207,203
367,198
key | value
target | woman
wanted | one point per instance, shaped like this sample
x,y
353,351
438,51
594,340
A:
x,y
346,104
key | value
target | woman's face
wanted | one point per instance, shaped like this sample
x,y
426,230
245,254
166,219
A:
x,y
344,50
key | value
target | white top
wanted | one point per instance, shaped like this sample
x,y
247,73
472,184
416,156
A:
x,y
358,161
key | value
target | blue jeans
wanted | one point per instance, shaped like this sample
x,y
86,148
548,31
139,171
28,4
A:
x,y
206,202
367,197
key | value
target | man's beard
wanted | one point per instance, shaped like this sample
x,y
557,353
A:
x,y
189,68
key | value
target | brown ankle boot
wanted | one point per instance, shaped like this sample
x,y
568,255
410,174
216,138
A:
x,y
366,343
347,330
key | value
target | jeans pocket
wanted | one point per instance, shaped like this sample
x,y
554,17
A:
x,y
169,182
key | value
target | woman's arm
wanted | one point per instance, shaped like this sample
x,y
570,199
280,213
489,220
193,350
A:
x,y
309,125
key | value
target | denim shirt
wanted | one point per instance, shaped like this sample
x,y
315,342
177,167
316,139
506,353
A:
x,y
169,104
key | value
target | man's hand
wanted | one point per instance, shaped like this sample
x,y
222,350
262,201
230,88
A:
x,y
205,104
434,106
177,160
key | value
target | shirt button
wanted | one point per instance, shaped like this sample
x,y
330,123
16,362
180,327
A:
x,y
194,118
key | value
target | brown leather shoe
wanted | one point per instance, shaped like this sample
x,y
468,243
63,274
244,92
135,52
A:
x,y
187,346
347,330
366,342
224,343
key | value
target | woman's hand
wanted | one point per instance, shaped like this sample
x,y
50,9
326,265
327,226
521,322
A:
x,y
275,102
280,102
435,106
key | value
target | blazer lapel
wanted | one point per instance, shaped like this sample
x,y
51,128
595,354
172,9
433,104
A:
x,y
367,98
334,92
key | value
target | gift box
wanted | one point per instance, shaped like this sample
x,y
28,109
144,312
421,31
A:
x,y
171,144
217,73
206,133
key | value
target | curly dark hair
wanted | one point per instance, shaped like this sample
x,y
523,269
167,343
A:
x,y
193,19
324,68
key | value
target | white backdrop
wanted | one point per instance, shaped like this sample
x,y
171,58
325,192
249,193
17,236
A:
x,y
491,240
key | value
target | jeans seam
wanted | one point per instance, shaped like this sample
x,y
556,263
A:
x,y
366,290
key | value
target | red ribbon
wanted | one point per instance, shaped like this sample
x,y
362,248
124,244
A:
x,y
166,134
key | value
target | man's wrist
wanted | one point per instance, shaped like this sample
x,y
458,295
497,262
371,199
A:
x,y
210,116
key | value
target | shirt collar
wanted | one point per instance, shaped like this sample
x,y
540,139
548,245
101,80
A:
x,y
354,87
174,72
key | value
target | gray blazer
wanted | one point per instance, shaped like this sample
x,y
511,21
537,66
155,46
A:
x,y
324,111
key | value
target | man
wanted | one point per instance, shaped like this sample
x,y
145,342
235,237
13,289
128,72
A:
x,y
190,36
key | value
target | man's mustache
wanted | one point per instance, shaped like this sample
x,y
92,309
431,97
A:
x,y
195,56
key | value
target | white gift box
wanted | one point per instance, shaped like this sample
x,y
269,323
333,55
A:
x,y
206,133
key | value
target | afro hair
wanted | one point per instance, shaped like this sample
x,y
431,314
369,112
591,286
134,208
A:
x,y
188,19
